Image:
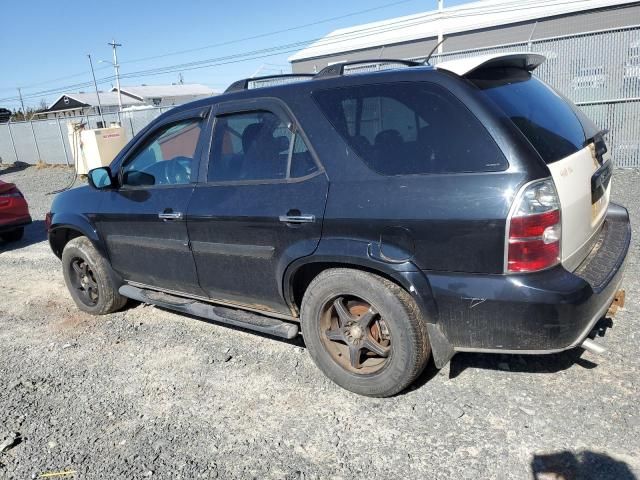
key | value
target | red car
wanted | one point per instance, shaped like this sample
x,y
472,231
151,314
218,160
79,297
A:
x,y
14,212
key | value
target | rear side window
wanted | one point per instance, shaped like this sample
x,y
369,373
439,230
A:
x,y
410,128
547,120
257,145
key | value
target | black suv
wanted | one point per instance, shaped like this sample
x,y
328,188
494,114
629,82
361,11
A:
x,y
392,214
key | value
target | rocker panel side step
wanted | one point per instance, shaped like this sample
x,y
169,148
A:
x,y
229,316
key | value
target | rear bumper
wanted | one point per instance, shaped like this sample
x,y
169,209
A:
x,y
14,223
542,312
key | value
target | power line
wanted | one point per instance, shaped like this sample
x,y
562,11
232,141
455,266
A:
x,y
263,35
323,41
292,47
287,48
268,34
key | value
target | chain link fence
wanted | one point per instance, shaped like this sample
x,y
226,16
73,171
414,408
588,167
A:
x,y
47,141
599,71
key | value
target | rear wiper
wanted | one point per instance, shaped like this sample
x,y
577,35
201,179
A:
x,y
596,137
599,145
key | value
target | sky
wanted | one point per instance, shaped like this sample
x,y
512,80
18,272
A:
x,y
44,44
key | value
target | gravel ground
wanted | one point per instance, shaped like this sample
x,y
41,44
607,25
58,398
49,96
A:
x,y
148,393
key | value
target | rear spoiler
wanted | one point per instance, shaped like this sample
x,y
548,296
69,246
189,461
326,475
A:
x,y
464,66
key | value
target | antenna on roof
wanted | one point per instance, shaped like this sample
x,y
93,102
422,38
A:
x,y
426,60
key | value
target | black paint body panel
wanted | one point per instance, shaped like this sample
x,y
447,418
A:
x,y
440,236
548,310
238,240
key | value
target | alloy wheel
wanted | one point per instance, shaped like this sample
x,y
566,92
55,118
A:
x,y
84,281
355,335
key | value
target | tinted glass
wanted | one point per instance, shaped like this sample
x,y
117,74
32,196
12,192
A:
x,y
256,146
249,146
302,163
166,158
547,120
410,128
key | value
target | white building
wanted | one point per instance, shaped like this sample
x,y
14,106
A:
x,y
86,103
81,104
166,95
474,25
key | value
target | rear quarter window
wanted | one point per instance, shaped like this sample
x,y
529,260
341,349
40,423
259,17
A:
x,y
410,128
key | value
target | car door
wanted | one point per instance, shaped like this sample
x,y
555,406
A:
x,y
259,207
143,221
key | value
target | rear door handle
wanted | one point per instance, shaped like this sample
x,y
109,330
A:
x,y
170,215
297,218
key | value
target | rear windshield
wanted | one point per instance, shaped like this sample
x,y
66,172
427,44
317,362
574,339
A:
x,y
410,128
550,122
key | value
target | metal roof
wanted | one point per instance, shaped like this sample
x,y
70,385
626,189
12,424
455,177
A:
x,y
154,91
106,99
457,19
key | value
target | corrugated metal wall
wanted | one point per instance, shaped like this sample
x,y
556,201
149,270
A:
x,y
577,23
599,71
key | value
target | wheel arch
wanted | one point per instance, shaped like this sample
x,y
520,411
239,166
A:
x,y
65,228
301,273
414,282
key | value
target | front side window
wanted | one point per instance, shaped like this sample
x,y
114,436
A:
x,y
257,145
166,158
410,128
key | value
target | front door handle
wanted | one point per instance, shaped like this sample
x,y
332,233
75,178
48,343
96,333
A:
x,y
170,215
297,218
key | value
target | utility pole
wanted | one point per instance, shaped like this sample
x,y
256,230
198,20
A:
x,y
117,67
24,112
440,35
95,85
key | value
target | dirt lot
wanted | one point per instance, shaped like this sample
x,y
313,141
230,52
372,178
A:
x,y
148,393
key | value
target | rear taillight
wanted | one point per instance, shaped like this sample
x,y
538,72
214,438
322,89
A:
x,y
533,229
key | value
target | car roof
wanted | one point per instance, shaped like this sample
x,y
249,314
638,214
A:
x,y
304,83
329,78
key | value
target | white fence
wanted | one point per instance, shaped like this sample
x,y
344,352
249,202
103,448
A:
x,y
47,140
599,71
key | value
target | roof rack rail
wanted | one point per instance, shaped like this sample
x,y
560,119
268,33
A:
x,y
337,69
244,83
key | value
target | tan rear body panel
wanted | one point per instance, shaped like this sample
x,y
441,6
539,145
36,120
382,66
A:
x,y
581,220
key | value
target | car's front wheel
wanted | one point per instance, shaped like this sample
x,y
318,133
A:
x,y
89,279
364,332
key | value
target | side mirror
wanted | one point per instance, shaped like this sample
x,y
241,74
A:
x,y
100,178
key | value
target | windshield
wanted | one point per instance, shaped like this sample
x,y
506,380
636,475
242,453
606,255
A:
x,y
550,122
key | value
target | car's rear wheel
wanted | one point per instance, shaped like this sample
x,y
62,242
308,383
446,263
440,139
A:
x,y
13,235
89,279
364,332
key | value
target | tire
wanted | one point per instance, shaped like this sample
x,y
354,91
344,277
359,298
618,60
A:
x,y
13,235
397,330
96,293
